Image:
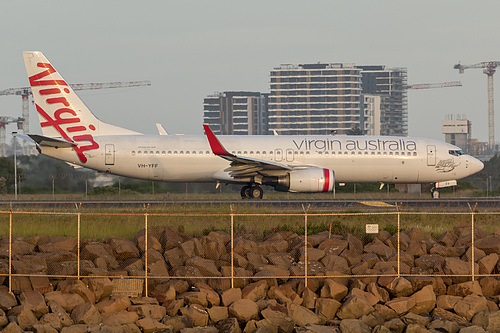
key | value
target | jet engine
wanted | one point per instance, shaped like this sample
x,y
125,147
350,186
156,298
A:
x,y
306,180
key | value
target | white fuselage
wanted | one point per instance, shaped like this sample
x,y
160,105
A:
x,y
189,158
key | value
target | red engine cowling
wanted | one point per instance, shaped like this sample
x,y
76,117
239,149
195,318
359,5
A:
x,y
308,180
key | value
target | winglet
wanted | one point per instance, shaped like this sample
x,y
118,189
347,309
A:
x,y
215,144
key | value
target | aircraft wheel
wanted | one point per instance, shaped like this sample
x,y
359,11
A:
x,y
245,192
256,192
435,194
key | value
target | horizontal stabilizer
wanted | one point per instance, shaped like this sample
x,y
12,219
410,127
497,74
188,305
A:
x,y
51,142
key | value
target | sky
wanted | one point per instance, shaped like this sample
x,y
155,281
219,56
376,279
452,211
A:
x,y
191,49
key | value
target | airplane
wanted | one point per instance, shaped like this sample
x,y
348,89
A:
x,y
296,163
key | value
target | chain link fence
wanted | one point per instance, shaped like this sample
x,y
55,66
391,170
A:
x,y
230,249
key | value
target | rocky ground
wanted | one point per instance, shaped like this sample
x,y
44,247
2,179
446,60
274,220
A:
x,y
435,292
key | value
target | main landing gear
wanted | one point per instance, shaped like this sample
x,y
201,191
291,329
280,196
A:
x,y
251,192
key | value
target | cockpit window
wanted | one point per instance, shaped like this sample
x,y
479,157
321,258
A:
x,y
456,152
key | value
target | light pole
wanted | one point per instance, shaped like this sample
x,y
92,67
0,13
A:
x,y
15,165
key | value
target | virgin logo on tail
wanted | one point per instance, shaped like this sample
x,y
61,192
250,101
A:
x,y
64,120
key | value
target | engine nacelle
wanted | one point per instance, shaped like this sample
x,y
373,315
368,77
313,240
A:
x,y
307,180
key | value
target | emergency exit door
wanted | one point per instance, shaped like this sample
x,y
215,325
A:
x,y
109,156
431,155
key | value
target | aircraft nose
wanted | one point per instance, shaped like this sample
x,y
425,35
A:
x,y
475,165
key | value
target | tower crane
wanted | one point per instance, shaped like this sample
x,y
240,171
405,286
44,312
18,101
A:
x,y
25,93
434,85
489,68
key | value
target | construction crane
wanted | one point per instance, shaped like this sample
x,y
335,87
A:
x,y
434,85
26,92
489,68
3,122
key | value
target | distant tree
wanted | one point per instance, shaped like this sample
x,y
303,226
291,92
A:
x,y
7,172
355,131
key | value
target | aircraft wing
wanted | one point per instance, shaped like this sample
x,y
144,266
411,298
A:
x,y
242,166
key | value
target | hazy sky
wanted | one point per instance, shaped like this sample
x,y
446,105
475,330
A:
x,y
189,49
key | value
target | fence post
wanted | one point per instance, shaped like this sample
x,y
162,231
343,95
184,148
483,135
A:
x,y
10,249
78,207
305,243
232,245
146,249
472,240
398,208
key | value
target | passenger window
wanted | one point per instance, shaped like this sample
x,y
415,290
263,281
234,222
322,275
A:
x,y
133,152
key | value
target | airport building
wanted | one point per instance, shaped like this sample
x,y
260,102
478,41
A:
x,y
236,113
315,99
391,85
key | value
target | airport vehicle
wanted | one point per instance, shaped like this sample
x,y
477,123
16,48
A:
x,y
299,163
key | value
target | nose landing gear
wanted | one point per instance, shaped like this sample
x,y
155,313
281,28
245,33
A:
x,y
251,192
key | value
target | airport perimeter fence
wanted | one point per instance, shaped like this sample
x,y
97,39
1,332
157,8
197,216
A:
x,y
139,250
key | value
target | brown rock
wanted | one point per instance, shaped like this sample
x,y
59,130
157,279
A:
x,y
229,325
490,286
465,288
441,314
119,318
488,263
354,307
489,244
401,304
309,299
447,251
36,302
101,287
279,317
332,289
178,322
490,321
163,292
12,328
173,306
327,308
354,325
62,315
425,300
400,287
76,287
115,304
217,313
380,249
447,302
244,310
255,291
44,328
196,313
7,300
205,266
470,305
67,301
335,262
23,316
448,238
430,263
379,292
94,251
154,311
148,325
86,313
59,244
51,319
302,316
333,246
230,295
